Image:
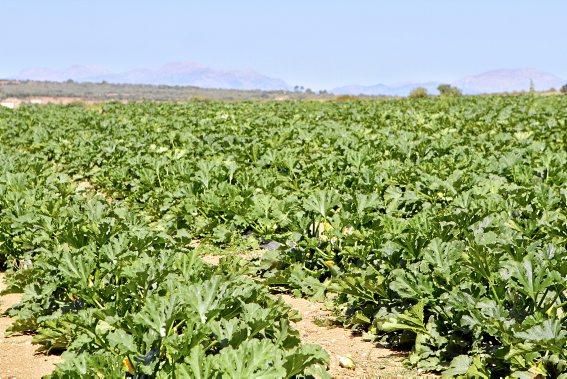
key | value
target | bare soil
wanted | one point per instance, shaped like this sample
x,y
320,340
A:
x,y
18,356
369,360
14,102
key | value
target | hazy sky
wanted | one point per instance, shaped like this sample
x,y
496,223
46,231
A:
x,y
317,43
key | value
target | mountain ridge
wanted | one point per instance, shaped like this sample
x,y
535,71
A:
x,y
174,73
493,81
188,73
509,80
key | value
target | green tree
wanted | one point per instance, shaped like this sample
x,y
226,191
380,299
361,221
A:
x,y
418,92
564,89
448,90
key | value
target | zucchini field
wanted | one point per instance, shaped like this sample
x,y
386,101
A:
x,y
434,226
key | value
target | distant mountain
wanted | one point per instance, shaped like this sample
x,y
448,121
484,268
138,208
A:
x,y
506,80
178,73
509,80
198,75
77,72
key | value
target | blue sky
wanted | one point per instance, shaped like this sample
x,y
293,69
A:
x,y
317,43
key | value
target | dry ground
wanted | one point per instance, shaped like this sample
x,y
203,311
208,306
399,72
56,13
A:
x,y
18,357
370,361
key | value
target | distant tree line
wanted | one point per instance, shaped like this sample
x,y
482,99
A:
x,y
135,92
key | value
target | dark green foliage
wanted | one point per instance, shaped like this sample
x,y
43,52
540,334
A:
x,y
115,290
440,224
448,90
418,93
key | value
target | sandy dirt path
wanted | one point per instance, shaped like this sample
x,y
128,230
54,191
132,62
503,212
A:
x,y
369,360
18,357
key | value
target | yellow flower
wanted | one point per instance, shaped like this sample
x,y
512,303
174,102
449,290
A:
x,y
128,366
